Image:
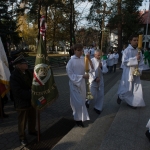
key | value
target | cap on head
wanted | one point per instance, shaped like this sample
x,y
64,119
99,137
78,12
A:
x,y
20,60
16,53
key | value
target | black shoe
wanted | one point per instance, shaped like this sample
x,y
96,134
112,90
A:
x,y
79,124
87,104
131,106
97,111
33,133
118,101
147,134
23,142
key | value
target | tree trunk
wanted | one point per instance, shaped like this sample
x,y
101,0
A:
x,y
39,16
74,38
71,24
53,46
119,30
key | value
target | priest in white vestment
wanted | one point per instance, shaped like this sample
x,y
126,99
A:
x,y
76,72
130,89
97,83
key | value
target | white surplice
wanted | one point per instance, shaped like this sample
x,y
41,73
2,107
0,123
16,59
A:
x,y
75,70
130,89
104,66
97,89
110,60
116,57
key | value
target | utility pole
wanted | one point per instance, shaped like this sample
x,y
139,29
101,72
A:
x,y
119,28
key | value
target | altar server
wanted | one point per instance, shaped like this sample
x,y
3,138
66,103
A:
x,y
76,72
97,83
130,89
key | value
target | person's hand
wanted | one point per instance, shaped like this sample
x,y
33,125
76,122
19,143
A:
x,y
97,80
86,76
138,57
100,65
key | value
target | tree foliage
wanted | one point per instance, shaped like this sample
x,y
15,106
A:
x,y
8,24
130,18
97,14
87,36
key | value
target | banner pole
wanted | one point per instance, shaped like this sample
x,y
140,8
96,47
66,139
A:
x,y
1,109
38,126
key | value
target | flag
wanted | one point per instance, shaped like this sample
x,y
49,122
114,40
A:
x,y
44,90
4,71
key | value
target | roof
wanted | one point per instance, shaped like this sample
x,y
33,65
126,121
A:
x,y
144,15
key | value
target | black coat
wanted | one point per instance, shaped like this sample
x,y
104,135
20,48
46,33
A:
x,y
21,89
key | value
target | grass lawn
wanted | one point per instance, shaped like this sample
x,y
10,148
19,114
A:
x,y
50,55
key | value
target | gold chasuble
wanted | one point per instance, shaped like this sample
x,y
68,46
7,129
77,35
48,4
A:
x,y
44,90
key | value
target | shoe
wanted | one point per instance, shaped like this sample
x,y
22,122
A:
x,y
33,133
97,111
118,101
87,104
131,106
79,124
23,142
147,134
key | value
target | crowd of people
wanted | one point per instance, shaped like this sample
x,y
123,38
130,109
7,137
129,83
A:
x,y
129,91
109,61
99,63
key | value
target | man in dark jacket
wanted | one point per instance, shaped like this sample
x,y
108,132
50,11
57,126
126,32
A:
x,y
20,83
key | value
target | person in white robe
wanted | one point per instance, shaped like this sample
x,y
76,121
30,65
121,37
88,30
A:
x,y
96,83
130,89
116,57
104,63
86,51
110,61
121,66
147,133
76,73
91,51
146,57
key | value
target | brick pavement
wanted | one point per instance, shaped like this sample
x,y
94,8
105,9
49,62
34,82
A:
x,y
8,127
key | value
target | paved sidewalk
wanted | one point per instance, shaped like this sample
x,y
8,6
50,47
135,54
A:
x,y
124,130
127,131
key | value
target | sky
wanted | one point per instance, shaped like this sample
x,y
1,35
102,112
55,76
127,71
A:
x,y
83,8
